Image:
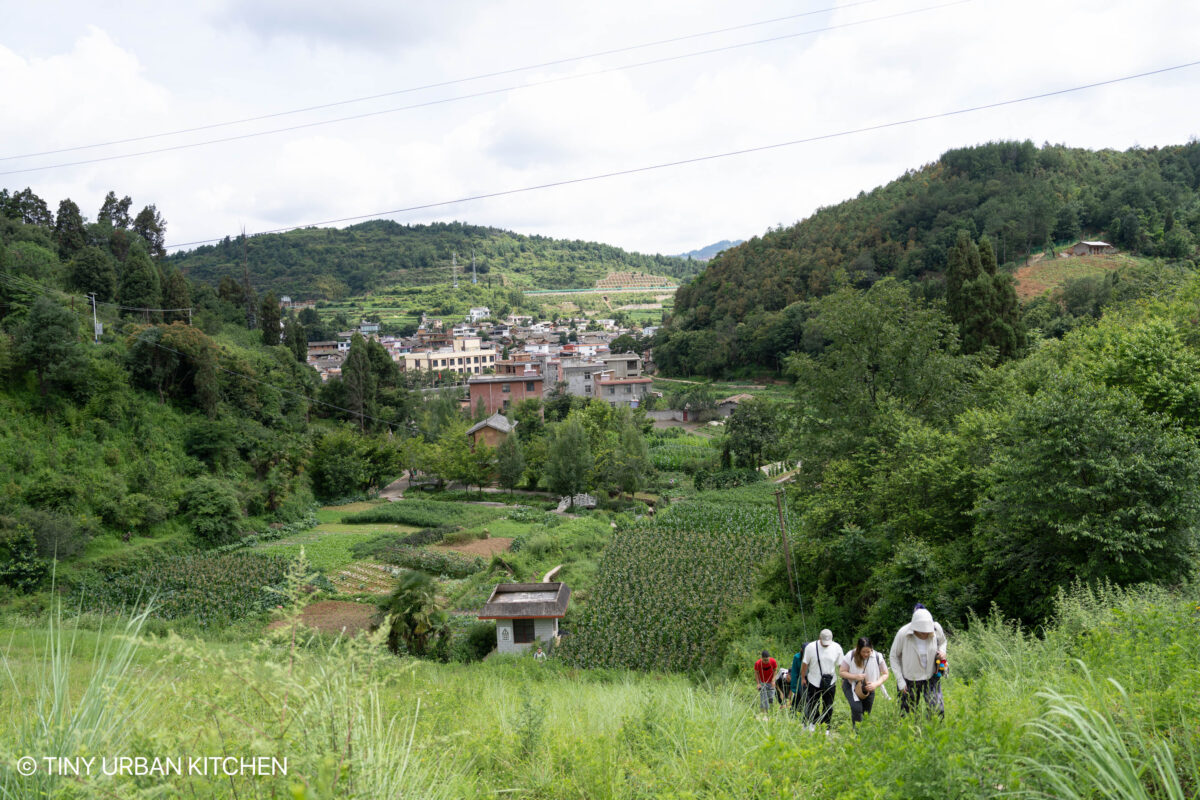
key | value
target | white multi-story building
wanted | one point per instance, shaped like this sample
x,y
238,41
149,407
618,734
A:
x,y
467,356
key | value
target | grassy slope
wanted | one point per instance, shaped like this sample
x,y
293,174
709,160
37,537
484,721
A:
x,y
516,728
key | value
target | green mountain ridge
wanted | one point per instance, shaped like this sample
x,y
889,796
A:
x,y
331,263
739,310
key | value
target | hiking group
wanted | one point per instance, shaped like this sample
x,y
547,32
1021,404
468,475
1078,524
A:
x,y
918,656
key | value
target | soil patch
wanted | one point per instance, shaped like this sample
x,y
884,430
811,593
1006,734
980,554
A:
x,y
334,616
479,547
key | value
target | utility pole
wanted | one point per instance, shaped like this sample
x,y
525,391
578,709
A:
x,y
454,268
474,276
246,284
95,322
787,550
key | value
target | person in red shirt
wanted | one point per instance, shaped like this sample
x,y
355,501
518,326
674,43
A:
x,y
764,670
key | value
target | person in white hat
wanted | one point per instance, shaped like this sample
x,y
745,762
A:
x,y
915,653
817,670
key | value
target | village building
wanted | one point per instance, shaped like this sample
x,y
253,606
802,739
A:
x,y
623,365
499,392
620,391
491,431
465,356
478,313
727,406
577,374
526,613
1092,249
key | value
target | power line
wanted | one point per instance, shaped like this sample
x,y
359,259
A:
x,y
475,95
712,156
442,84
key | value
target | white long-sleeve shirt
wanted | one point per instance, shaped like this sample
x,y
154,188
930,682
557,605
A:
x,y
906,659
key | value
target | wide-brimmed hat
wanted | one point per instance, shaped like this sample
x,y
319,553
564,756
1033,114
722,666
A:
x,y
922,621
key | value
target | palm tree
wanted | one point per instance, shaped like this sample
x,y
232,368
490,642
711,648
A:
x,y
417,618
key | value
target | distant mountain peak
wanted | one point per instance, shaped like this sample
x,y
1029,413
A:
x,y
710,251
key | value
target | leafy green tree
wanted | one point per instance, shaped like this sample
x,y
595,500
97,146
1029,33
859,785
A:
x,y
69,232
337,467
414,616
1085,486
359,381
528,414
481,466
991,315
213,512
296,339
177,361
115,212
569,459
28,208
231,292
47,343
150,225
631,467
963,266
452,455
754,432
140,287
624,344
94,270
510,461
886,351
269,320
176,295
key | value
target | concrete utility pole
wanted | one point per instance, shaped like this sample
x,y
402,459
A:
x,y
95,322
787,550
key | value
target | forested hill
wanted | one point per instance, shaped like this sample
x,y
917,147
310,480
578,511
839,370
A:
x,y
328,263
1020,196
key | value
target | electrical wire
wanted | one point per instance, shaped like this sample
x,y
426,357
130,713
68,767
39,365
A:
x,y
474,95
442,84
703,158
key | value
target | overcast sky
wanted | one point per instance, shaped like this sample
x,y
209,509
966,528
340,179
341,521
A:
x,y
76,73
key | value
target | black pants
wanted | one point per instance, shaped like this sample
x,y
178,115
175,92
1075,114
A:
x,y
930,690
857,707
819,698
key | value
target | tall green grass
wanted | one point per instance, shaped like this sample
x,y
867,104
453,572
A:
x,y
1026,716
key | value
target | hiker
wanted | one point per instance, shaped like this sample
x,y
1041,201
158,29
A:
x,y
916,652
783,687
863,670
817,670
764,670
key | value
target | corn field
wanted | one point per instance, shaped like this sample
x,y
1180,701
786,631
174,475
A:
x,y
666,585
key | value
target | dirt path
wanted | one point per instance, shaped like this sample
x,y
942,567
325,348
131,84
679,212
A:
x,y
395,490
334,616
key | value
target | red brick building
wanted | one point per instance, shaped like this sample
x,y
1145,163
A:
x,y
499,392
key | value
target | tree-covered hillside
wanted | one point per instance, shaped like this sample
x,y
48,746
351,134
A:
x,y
328,263
741,310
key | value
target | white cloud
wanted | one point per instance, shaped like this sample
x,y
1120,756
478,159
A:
x,y
100,77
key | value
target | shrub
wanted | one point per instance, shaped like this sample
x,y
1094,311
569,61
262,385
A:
x,y
57,534
213,512
20,567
